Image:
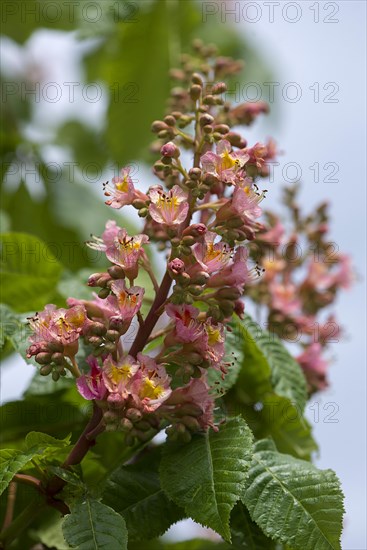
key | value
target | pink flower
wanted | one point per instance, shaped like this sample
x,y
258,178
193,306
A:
x,y
60,325
284,298
108,237
257,154
126,252
212,256
244,205
344,277
314,365
272,235
91,386
168,208
235,273
215,342
118,374
125,302
225,164
151,384
319,276
187,327
196,393
96,308
245,113
122,191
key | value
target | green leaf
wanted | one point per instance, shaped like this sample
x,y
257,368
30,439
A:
x,y
156,36
134,491
246,535
47,413
294,502
21,20
11,461
29,271
50,534
42,440
206,476
265,356
266,393
219,385
193,544
93,525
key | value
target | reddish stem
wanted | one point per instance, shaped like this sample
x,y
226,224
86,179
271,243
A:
x,y
152,317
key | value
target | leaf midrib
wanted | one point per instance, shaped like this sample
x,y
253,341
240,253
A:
x,y
260,462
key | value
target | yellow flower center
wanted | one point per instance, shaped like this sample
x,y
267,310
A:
x,y
119,373
123,185
214,336
150,389
228,161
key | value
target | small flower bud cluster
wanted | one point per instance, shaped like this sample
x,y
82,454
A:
x,y
303,274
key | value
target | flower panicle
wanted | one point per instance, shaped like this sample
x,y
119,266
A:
x,y
204,216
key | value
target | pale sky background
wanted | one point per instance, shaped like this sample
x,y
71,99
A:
x,y
304,52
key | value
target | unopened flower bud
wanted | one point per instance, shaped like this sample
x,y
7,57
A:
x,y
219,88
209,100
158,125
196,79
195,173
239,308
195,91
191,423
236,140
116,323
228,293
57,358
134,415
138,203
115,401
221,128
185,250
110,347
45,370
200,278
97,329
195,230
126,425
143,212
170,120
43,358
194,358
188,240
170,150
55,376
112,335
95,340
206,119
103,293
195,290
176,266
208,129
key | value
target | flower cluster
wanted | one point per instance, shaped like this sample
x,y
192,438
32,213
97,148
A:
x,y
202,211
303,272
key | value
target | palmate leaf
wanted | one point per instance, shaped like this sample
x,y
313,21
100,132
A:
x,y
206,476
134,491
94,526
292,501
